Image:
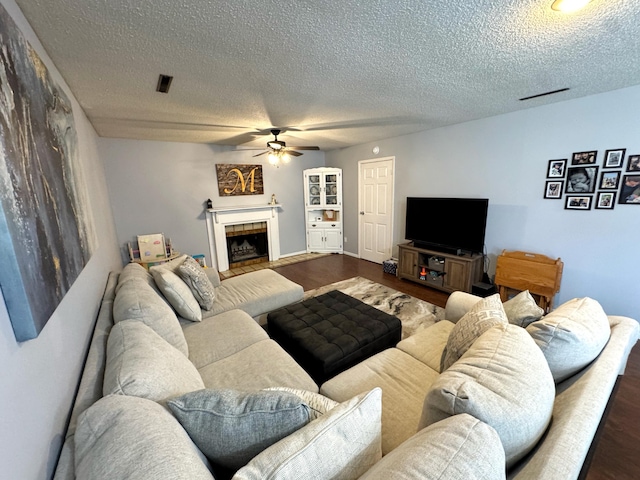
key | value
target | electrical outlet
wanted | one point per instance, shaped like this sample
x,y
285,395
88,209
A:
x,y
345,239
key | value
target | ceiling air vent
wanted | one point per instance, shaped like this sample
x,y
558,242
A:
x,y
544,94
164,82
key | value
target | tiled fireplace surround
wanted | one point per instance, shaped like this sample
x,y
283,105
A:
x,y
218,218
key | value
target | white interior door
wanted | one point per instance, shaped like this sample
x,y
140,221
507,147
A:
x,y
375,197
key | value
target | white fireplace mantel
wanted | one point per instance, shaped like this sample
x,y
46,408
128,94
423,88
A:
x,y
219,217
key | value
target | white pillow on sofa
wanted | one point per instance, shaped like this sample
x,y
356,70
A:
x,y
341,445
503,380
141,363
177,292
571,336
121,437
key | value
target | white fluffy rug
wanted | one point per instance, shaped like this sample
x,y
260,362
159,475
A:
x,y
414,314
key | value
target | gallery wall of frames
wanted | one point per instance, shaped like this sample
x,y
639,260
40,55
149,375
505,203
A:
x,y
585,181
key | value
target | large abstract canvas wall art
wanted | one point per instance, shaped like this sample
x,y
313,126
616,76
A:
x,y
46,230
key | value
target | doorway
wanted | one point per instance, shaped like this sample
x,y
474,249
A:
x,y
375,207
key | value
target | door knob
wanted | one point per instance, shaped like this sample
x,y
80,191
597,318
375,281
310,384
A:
x,y
361,213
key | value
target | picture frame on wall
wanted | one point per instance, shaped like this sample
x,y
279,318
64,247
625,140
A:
x,y
556,168
581,179
606,200
553,189
609,180
614,158
578,202
630,190
584,158
633,163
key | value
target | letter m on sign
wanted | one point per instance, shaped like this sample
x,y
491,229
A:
x,y
239,180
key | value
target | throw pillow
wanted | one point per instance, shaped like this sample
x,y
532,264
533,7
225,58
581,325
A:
x,y
140,363
177,292
197,280
503,380
318,404
571,336
232,427
341,445
458,447
522,309
136,300
122,437
485,314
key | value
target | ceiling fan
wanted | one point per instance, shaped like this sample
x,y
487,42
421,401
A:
x,y
277,149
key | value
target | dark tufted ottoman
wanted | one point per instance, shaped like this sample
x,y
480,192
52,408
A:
x,y
332,332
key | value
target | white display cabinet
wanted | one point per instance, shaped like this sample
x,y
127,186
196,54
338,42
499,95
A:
x,y
323,209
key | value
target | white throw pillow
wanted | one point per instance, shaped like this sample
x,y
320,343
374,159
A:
x,y
571,336
485,314
341,445
503,380
177,292
141,363
121,437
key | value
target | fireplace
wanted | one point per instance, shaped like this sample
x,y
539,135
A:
x,y
219,218
247,244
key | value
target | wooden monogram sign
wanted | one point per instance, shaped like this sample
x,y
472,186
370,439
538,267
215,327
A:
x,y
239,180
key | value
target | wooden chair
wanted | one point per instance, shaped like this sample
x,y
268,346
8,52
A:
x,y
517,271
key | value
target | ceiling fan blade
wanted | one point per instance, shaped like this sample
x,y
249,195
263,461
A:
x,y
262,153
293,153
305,148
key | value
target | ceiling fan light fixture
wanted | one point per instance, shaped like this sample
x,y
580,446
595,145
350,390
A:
x,y
568,6
286,158
273,159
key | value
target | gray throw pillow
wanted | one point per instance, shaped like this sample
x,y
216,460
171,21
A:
x,y
318,404
522,309
571,336
232,427
485,314
177,293
197,280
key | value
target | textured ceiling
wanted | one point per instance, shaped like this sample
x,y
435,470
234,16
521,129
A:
x,y
330,73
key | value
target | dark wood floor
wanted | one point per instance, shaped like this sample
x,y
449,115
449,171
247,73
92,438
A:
x,y
615,453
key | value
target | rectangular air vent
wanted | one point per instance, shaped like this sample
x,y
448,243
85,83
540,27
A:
x,y
164,82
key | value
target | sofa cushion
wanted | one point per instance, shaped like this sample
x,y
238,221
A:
x,y
522,309
231,427
261,365
142,364
135,270
404,382
503,380
197,280
459,447
177,293
343,444
138,301
571,336
213,276
256,293
427,345
215,338
485,314
122,437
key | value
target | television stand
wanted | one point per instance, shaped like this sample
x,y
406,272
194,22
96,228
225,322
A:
x,y
449,272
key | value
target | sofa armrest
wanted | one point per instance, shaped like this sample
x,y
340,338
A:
x,y
458,304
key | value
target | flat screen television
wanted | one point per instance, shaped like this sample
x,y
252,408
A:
x,y
454,225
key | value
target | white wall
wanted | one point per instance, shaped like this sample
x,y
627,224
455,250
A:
x,y
163,186
505,158
40,376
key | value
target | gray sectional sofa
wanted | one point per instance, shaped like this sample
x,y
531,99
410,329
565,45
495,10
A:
x,y
469,397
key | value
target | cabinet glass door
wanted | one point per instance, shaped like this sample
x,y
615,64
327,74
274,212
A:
x,y
331,189
314,189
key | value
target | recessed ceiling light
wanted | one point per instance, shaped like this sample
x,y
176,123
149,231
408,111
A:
x,y
568,6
